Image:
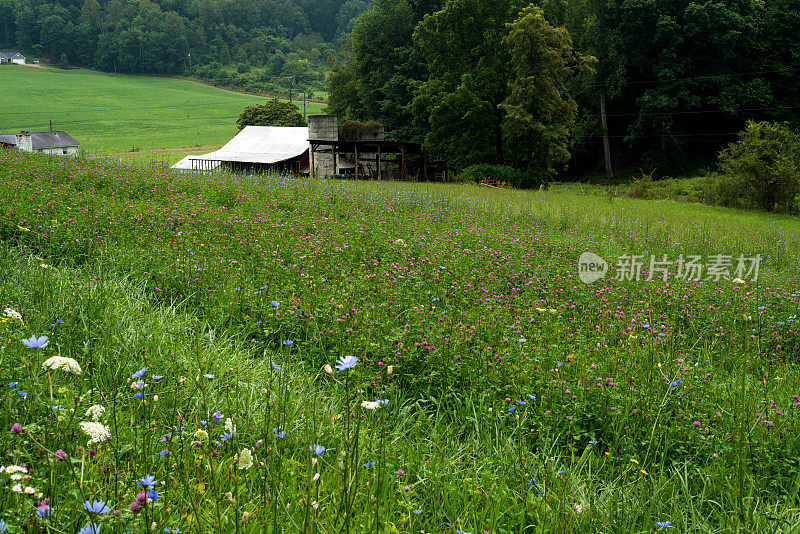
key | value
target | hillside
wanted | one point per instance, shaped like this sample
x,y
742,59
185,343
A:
x,y
257,42
232,353
117,113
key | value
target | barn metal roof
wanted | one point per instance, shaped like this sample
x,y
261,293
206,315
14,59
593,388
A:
x,y
259,144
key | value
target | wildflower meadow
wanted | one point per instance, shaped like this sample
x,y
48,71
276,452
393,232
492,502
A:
x,y
228,353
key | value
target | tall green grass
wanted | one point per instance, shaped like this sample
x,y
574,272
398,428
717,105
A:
x,y
520,399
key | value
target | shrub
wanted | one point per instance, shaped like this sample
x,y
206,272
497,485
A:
x,y
641,187
762,169
355,130
501,173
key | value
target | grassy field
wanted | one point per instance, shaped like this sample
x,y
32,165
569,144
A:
x,y
215,320
117,113
153,158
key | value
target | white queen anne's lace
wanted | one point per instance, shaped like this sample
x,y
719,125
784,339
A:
x,y
65,364
95,412
98,432
244,460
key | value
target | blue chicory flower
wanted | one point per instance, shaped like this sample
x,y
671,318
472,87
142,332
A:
x,y
36,342
147,481
346,362
140,373
96,507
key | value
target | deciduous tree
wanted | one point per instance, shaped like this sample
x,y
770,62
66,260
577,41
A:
x,y
273,113
540,112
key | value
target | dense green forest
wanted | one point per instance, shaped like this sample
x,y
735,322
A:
x,y
502,82
255,44
479,81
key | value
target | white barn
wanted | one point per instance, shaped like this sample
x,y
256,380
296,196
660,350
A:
x,y
257,148
12,57
42,142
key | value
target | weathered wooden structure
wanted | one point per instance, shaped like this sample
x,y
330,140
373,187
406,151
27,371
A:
x,y
364,157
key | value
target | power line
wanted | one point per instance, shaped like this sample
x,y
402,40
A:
x,y
701,77
720,135
695,112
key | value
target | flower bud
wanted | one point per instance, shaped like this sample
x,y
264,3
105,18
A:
x,y
328,369
390,370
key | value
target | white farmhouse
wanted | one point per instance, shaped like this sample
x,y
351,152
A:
x,y
12,57
42,142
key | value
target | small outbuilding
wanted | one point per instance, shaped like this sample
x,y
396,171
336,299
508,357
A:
x,y
12,57
42,142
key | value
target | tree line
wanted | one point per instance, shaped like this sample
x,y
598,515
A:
x,y
239,42
531,85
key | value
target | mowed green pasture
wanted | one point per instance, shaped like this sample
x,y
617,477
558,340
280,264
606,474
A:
x,y
117,113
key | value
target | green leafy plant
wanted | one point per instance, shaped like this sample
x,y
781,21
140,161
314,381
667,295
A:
x,y
501,173
764,167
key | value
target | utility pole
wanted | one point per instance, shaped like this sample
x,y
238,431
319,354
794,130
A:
x,y
604,123
304,106
190,61
291,80
51,125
